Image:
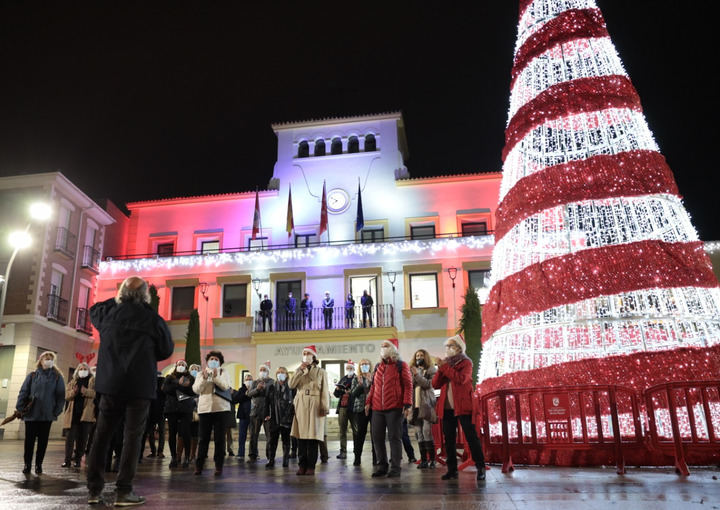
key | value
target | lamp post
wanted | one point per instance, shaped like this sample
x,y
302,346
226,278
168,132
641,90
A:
x,y
256,286
203,291
20,240
392,275
452,273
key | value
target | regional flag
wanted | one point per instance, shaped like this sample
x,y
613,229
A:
x,y
290,220
256,217
360,218
323,213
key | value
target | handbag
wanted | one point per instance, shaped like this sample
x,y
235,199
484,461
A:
x,y
181,397
223,394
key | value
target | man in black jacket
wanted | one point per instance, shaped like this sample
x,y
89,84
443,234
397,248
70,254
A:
x,y
266,307
133,338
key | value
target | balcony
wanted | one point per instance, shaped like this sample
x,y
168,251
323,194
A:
x,y
65,242
57,309
82,322
91,259
317,319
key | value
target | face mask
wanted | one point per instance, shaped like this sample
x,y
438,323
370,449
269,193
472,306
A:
x,y
385,352
180,369
307,358
263,374
83,374
420,362
365,368
193,373
48,363
281,377
450,351
350,373
248,383
213,364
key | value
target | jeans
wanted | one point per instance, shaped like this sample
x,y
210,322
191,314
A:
x,y
242,435
307,453
349,318
345,416
267,319
39,430
391,421
450,423
407,444
257,423
276,432
307,318
179,426
111,411
360,432
214,423
77,436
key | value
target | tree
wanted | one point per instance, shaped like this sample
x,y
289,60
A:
x,y
192,339
154,298
471,327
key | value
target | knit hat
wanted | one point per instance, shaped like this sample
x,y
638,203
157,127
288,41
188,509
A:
x,y
394,342
459,340
312,349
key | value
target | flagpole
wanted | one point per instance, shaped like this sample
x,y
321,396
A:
x,y
327,227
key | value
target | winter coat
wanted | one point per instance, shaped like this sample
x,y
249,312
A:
x,y
280,406
306,306
290,305
208,402
424,394
266,307
47,388
344,384
359,390
312,402
391,387
133,338
244,403
460,378
88,413
259,397
366,301
171,386
328,303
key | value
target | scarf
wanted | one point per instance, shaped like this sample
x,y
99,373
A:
x,y
454,360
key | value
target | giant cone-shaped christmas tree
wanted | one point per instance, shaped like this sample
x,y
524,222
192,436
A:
x,y
595,254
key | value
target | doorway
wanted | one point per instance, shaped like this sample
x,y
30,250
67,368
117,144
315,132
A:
x,y
283,320
335,371
358,284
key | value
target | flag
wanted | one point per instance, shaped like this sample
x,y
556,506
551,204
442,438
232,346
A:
x,y
290,220
360,219
323,214
256,217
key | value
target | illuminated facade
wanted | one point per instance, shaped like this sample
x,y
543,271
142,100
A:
x,y
199,251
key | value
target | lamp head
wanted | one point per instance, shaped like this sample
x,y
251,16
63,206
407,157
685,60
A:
x,y
40,211
20,239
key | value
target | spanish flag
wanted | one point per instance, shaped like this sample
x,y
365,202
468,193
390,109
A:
x,y
256,217
290,220
323,214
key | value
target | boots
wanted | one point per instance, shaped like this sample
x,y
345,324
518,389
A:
x,y
431,453
423,453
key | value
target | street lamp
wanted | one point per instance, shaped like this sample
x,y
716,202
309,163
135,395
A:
x,y
452,273
203,291
256,286
391,276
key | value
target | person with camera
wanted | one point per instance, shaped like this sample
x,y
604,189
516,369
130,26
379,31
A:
x,y
358,390
179,407
344,409
424,414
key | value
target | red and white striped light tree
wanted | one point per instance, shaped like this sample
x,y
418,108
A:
x,y
595,253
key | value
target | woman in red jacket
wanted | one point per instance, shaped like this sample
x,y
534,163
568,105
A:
x,y
454,378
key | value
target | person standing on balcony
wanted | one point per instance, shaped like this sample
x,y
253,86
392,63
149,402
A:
x,y
328,306
455,380
358,391
266,307
280,414
349,311
258,393
424,414
79,413
345,406
306,306
290,309
366,301
243,413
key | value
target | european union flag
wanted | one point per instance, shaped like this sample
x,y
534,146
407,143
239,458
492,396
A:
x,y
360,220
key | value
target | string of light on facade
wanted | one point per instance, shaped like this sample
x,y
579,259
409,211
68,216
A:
x,y
268,258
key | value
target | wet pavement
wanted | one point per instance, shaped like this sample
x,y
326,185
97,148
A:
x,y
339,485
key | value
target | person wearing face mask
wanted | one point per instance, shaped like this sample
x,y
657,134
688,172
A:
x,y
258,392
213,387
79,414
359,389
366,302
349,311
455,380
423,413
243,413
195,424
306,308
312,404
179,407
328,307
290,309
345,405
280,414
390,397
41,399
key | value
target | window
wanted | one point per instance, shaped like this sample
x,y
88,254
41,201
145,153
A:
x,y
336,146
422,232
303,149
305,240
370,143
353,144
259,243
165,249
319,147
479,279
478,228
372,235
183,302
210,247
235,300
423,290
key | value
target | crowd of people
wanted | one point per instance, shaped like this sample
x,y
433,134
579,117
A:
x,y
127,403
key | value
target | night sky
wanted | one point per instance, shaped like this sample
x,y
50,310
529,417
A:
x,y
135,101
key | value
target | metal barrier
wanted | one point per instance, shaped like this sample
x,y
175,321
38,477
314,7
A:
x,y
461,446
684,416
567,418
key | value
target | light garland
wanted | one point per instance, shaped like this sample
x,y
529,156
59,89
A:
x,y
270,258
537,12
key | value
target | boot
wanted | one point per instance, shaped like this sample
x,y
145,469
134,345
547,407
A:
x,y
423,452
431,452
199,466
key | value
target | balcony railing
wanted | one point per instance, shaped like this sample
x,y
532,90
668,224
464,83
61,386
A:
x,y
57,310
376,316
91,258
83,323
65,242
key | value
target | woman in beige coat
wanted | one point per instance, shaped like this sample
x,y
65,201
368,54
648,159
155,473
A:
x,y
79,413
312,403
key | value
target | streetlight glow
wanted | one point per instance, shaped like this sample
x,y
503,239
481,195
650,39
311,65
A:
x,y
40,211
20,239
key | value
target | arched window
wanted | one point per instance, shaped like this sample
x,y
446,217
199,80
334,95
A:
x,y
303,149
353,144
319,147
336,146
370,144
